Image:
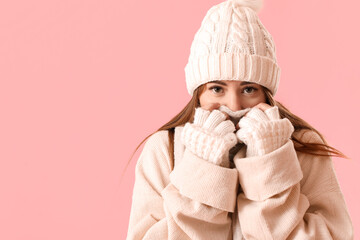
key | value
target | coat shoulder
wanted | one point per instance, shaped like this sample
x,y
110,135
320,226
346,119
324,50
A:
x,y
308,136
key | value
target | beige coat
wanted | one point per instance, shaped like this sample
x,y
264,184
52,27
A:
x,y
283,195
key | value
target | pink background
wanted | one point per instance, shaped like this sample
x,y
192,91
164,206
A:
x,y
83,82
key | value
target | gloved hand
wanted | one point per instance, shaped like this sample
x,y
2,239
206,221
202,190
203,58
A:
x,y
263,131
210,136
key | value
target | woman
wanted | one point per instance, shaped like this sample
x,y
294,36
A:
x,y
235,163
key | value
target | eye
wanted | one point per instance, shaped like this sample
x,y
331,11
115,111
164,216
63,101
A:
x,y
216,89
249,90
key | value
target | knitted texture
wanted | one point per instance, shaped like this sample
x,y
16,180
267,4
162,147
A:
x,y
193,200
210,136
264,131
232,44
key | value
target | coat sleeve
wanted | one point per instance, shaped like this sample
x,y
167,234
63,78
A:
x,y
194,201
290,195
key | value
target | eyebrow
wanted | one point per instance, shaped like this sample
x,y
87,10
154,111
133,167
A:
x,y
224,84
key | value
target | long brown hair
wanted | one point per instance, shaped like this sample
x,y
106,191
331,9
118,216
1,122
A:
x,y
187,114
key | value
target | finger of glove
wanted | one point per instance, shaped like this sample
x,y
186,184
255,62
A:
x,y
200,116
243,135
288,127
230,139
209,147
281,128
225,127
214,119
248,123
273,113
257,114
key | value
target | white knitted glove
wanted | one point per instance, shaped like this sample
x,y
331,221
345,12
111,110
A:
x,y
263,131
210,137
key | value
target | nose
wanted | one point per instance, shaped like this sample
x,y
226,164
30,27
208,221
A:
x,y
233,102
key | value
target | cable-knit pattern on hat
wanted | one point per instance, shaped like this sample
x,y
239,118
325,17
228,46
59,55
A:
x,y
204,38
232,44
238,38
269,42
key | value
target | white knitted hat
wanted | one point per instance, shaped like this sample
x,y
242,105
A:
x,y
232,44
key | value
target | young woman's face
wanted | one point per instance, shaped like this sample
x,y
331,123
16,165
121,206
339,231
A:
x,y
236,95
